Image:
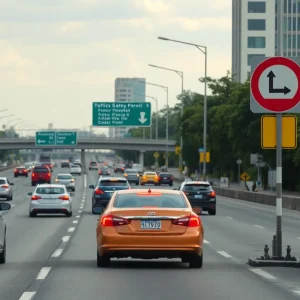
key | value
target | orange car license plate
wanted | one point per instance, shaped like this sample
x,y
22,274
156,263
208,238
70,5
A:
x,y
150,224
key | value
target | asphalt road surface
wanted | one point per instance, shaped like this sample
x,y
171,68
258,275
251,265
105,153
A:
x,y
51,258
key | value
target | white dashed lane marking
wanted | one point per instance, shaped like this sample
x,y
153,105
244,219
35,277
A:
x,y
225,254
27,295
258,226
65,238
75,222
80,211
263,274
57,252
71,229
205,242
43,273
78,216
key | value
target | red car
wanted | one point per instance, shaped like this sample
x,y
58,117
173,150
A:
x,y
49,165
40,174
20,171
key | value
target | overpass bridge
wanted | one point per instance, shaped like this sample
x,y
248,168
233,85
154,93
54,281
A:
x,y
104,143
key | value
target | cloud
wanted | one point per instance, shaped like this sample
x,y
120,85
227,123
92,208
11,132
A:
x,y
73,26
203,23
153,6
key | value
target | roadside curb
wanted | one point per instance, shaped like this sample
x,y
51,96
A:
x,y
254,262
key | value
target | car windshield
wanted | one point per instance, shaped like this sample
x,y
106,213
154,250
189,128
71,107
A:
x,y
49,190
64,177
2,181
20,168
165,174
93,163
197,187
41,170
131,171
144,200
113,183
104,168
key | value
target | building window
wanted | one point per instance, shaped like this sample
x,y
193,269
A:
x,y
256,7
122,95
256,42
257,24
253,55
122,90
123,100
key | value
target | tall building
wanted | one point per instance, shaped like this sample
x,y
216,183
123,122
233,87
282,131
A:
x,y
127,90
253,33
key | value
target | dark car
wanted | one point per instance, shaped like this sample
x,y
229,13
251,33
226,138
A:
x,y
20,171
119,168
40,174
104,190
132,175
65,164
104,171
200,194
165,178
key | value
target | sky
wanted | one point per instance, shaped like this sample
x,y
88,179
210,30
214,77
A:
x,y
59,56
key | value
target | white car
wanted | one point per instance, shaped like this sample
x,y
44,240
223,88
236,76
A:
x,y
3,206
75,169
50,199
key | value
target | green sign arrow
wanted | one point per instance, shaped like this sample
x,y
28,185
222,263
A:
x,y
52,138
45,138
119,114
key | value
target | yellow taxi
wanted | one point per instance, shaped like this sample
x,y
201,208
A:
x,y
150,224
149,178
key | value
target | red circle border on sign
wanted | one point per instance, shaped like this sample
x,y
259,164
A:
x,y
275,105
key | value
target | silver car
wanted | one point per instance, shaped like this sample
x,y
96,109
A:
x,y
3,206
75,169
6,190
67,180
132,175
50,199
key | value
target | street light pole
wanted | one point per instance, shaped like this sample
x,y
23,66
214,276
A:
x,y
167,117
203,49
180,73
156,121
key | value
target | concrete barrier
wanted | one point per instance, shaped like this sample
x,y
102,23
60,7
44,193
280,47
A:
x,y
8,168
288,202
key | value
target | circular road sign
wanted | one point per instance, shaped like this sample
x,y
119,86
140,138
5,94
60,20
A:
x,y
275,84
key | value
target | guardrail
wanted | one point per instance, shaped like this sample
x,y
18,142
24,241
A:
x,y
7,168
288,202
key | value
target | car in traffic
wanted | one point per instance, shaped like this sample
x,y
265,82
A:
x,y
40,174
77,162
29,167
150,224
65,164
139,168
21,171
75,169
49,165
132,176
3,206
149,178
103,191
165,178
200,194
6,189
104,171
50,199
93,165
66,179
119,168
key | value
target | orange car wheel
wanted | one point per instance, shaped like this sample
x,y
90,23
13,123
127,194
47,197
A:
x,y
102,261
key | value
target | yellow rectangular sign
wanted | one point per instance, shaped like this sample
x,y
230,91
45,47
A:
x,y
268,132
207,157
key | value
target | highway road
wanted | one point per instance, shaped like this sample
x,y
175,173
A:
x,y
52,258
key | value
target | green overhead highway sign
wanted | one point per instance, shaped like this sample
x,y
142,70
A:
x,y
119,114
52,138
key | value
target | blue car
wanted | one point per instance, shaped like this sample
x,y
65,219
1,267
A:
x,y
103,191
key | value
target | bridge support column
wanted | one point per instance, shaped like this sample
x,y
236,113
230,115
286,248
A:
x,y
141,158
83,167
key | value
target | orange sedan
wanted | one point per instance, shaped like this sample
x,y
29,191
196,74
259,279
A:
x,y
149,224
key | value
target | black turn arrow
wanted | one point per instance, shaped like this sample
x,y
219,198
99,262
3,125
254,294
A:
x,y
272,90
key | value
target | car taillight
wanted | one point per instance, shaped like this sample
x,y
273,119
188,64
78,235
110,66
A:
x,y
213,194
51,166
114,221
99,192
15,170
5,186
192,221
32,174
65,197
172,178
49,174
72,180
122,168
35,197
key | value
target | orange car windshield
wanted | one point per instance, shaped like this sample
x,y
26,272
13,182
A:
x,y
164,201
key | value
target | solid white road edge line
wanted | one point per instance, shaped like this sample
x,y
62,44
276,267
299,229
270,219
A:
x,y
85,180
65,238
71,229
57,252
258,226
225,254
263,273
43,273
205,242
27,295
